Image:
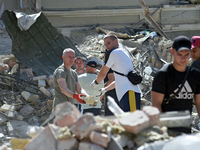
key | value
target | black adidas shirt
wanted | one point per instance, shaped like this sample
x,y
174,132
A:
x,y
168,79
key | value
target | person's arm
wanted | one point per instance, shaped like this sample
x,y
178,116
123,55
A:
x,y
102,74
105,89
63,87
111,86
157,99
197,103
111,78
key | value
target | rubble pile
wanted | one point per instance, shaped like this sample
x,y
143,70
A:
x,y
72,131
25,99
149,52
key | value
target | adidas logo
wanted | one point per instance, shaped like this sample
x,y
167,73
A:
x,y
186,92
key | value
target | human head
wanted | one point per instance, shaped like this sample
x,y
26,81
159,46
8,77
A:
x,y
68,57
91,66
110,41
181,50
79,63
195,48
181,43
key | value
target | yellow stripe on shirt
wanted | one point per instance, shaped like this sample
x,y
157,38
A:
x,y
132,100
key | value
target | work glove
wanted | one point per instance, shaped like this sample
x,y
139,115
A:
x,y
94,84
78,98
103,91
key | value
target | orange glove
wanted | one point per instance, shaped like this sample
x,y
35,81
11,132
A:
x,y
78,98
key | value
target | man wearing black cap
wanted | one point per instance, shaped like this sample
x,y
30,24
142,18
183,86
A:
x,y
85,79
177,79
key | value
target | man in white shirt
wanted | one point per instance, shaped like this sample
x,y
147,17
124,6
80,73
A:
x,y
118,60
85,79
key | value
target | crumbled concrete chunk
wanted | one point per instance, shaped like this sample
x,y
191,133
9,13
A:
x,y
45,91
17,128
50,81
6,107
25,95
85,125
47,140
43,77
66,114
135,121
153,113
99,138
52,91
34,100
10,114
41,83
3,119
26,110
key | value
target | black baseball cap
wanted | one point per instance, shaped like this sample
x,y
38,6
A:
x,y
181,43
91,63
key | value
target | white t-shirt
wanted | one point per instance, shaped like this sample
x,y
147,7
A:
x,y
120,61
85,79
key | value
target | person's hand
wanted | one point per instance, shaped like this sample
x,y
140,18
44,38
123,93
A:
x,y
103,91
78,98
94,84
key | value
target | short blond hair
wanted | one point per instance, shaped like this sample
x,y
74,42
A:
x,y
111,36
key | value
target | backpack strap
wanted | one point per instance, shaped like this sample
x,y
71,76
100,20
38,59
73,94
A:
x,y
119,73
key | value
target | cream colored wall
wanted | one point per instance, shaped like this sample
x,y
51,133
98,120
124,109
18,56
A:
x,y
70,4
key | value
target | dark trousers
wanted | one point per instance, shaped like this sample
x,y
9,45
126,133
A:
x,y
111,93
130,101
78,106
94,111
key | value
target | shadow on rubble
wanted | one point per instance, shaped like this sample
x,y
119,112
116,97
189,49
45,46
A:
x,y
40,47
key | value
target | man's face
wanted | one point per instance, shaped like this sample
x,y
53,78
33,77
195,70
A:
x,y
182,57
110,44
195,53
68,58
90,69
79,64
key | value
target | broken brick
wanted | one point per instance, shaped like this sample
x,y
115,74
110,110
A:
x,y
99,138
135,121
66,114
84,126
153,113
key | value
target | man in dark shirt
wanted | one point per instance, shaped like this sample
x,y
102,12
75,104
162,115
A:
x,y
195,51
170,77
